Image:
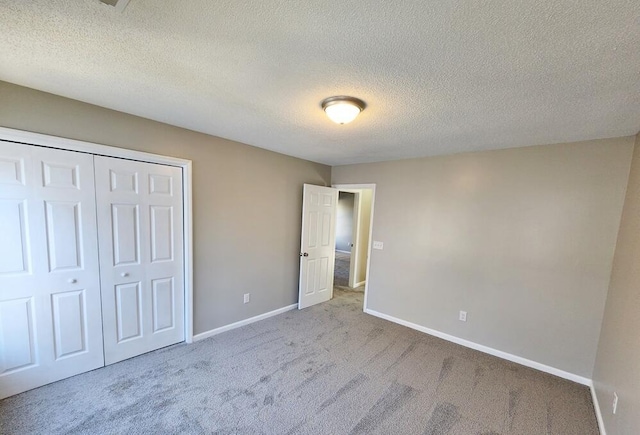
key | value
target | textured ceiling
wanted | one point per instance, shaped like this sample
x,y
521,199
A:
x,y
438,77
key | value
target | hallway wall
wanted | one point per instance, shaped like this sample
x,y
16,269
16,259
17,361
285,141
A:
x,y
344,222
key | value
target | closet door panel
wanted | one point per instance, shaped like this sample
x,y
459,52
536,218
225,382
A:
x,y
141,255
125,229
69,321
17,334
50,314
14,256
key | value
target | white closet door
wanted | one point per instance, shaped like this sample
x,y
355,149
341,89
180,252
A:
x,y
141,256
50,317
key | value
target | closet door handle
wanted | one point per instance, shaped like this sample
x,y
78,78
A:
x,y
124,274
72,280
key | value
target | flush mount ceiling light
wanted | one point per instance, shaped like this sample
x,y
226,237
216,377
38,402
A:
x,y
118,4
342,109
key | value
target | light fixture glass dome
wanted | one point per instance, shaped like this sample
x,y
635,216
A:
x,y
342,109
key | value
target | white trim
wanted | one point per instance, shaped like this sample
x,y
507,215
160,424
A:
x,y
29,138
187,191
372,187
470,344
344,252
358,284
244,322
596,405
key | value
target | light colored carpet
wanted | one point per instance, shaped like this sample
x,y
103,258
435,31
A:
x,y
328,369
341,271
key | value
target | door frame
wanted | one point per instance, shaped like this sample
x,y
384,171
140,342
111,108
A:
x,y
349,188
29,138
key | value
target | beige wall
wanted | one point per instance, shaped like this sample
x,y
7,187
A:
x,y
617,367
522,239
363,233
247,201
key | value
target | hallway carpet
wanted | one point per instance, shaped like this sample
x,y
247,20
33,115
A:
x,y
341,271
328,369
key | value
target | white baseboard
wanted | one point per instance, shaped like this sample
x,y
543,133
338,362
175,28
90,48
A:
x,y
344,252
500,354
596,405
244,322
358,284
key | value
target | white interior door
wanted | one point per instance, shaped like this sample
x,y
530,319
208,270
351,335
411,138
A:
x,y
50,318
141,256
317,247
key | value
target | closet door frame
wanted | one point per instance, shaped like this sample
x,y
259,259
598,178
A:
x,y
29,138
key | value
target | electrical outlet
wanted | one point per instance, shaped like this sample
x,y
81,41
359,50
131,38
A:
x,y
378,245
247,297
463,316
615,402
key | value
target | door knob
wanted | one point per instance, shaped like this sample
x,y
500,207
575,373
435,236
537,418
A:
x,y
73,281
124,274
304,254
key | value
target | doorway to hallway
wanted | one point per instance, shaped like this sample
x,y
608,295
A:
x,y
353,230
345,225
318,243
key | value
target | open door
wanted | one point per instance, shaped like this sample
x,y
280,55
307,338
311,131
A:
x,y
317,246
